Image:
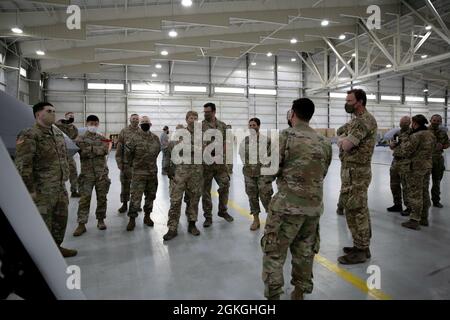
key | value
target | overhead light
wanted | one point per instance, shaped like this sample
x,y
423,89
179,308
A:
x,y
158,66
294,41
342,37
173,33
164,53
428,28
424,56
40,53
324,23
269,54
293,60
186,3
17,30
353,54
154,75
389,65
253,63
425,90
65,77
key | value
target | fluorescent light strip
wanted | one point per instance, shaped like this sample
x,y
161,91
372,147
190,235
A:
x,y
105,86
190,89
414,99
229,90
23,72
338,95
269,92
436,100
391,98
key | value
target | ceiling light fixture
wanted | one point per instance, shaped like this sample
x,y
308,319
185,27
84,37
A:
x,y
293,41
428,28
173,33
269,54
154,75
186,3
40,53
389,66
253,63
293,60
164,53
324,23
424,56
342,37
158,66
17,30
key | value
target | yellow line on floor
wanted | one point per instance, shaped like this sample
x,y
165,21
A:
x,y
327,264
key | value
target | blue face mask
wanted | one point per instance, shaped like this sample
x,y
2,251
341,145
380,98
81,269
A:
x,y
92,129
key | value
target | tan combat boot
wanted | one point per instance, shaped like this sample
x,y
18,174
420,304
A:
x,y
101,224
67,253
147,220
192,229
131,224
297,294
255,225
79,230
123,208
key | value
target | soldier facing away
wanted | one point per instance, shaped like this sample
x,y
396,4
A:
x,y
187,180
295,210
123,162
257,186
94,148
399,166
41,160
66,125
437,173
143,149
357,150
419,148
216,171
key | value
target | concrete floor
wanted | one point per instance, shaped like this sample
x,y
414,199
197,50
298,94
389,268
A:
x,y
224,262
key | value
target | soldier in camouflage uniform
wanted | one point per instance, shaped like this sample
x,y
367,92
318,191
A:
x,y
216,171
257,186
41,160
66,125
122,159
295,210
94,149
341,133
437,173
419,148
164,139
187,180
356,174
231,138
143,149
399,166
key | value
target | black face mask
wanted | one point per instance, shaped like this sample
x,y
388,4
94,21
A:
x,y
70,120
67,121
145,126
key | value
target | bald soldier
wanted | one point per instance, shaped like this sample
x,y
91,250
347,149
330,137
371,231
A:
x,y
66,125
41,160
143,149
295,210
357,149
123,162
399,166
437,172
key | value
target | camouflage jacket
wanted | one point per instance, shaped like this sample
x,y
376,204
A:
x,y
143,150
69,129
191,165
401,137
419,148
305,157
41,159
252,170
342,131
94,148
442,138
222,127
122,156
362,132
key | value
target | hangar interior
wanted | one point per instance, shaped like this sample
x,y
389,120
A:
x,y
252,59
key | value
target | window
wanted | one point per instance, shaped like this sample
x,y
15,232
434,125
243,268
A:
x,y
229,90
105,86
414,99
23,72
436,100
148,87
197,89
338,95
391,98
268,92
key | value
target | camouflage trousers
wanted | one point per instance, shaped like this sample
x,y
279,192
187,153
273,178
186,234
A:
x,y
258,188
189,183
125,182
437,174
418,194
218,172
73,175
355,183
146,185
300,234
54,210
340,204
165,160
398,183
87,185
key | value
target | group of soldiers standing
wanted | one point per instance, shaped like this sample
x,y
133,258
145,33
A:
x,y
293,212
